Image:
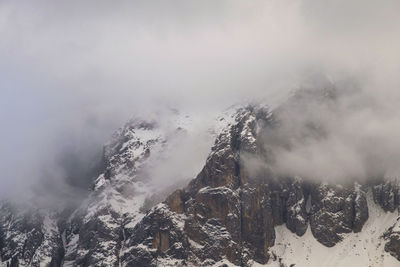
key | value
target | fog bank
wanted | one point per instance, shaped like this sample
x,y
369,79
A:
x,y
72,72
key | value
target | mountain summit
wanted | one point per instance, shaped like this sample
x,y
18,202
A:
x,y
239,210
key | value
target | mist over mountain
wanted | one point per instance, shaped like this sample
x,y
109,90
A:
x,y
199,133
72,73
336,132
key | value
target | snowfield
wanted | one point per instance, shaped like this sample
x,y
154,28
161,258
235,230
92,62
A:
x,y
357,249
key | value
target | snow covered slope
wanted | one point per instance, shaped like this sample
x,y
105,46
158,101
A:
x,y
365,248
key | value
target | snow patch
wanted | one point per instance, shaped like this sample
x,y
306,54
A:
x,y
356,249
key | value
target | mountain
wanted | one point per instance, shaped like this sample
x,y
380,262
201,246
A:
x,y
238,210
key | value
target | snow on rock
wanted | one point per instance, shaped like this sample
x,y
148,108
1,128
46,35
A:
x,y
229,215
29,237
365,248
97,232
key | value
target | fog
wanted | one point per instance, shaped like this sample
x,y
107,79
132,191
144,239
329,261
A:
x,y
72,72
332,132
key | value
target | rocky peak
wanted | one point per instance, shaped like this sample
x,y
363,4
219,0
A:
x,y
387,194
219,206
29,237
95,233
228,214
130,146
230,211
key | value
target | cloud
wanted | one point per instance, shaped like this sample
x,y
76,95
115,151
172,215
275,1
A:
x,y
333,132
73,72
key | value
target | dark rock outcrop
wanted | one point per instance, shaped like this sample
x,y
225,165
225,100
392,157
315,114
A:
x,y
228,212
225,214
296,217
387,195
392,236
336,210
29,237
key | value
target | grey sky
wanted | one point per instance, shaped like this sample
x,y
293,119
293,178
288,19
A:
x,y
73,71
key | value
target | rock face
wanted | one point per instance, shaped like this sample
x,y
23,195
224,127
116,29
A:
x,y
392,237
96,233
297,216
216,216
337,210
387,194
29,237
228,212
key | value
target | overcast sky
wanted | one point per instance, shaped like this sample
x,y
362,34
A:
x,y
71,72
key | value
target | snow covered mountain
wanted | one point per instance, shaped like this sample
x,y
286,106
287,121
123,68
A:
x,y
237,211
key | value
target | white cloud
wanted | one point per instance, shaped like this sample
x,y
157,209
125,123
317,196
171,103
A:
x,y
76,70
